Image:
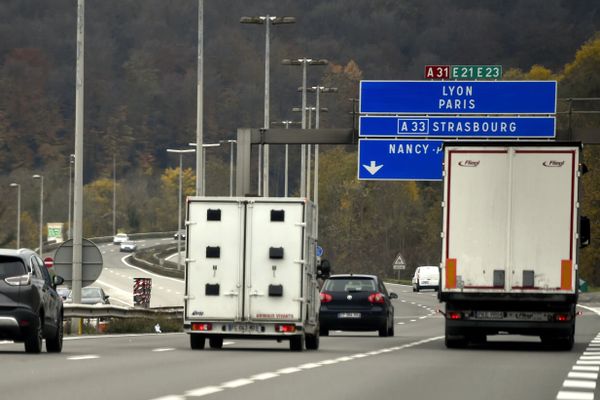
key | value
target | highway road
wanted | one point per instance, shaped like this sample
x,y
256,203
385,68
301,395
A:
x,y
414,364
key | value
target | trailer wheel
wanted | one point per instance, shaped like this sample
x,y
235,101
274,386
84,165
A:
x,y
215,342
197,341
297,343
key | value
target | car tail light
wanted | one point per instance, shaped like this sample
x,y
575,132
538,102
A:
x,y
196,326
562,317
288,328
376,298
454,315
326,297
22,280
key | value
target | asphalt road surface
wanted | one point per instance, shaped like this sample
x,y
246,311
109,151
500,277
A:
x,y
414,364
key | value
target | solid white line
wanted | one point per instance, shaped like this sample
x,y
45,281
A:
x,y
579,384
87,357
583,375
147,272
172,397
160,350
203,391
309,366
562,395
290,370
595,311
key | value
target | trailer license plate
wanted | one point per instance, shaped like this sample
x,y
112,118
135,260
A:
x,y
489,314
349,315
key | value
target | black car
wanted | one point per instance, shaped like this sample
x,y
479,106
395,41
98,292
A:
x,y
30,308
356,303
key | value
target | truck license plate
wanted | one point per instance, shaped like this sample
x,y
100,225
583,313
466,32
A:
x,y
245,328
348,315
489,314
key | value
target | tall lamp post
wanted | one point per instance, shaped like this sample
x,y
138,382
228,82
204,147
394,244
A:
x,y
287,124
231,143
18,186
181,153
267,21
41,178
204,146
303,62
70,228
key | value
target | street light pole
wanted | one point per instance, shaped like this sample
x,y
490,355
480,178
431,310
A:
x,y
70,228
204,146
180,152
285,181
231,143
18,186
114,208
266,20
304,62
41,178
200,100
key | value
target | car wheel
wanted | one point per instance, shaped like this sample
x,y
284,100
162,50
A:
x,y
197,341
297,343
215,342
33,341
312,341
417,289
54,344
383,330
390,331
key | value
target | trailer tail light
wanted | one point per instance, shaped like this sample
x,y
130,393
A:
x,y
376,298
454,315
203,327
325,297
562,317
287,328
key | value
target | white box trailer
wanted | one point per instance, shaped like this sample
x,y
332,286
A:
x,y
510,240
251,271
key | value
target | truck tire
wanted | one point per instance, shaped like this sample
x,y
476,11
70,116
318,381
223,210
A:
x,y
215,342
312,341
33,341
323,332
297,343
197,341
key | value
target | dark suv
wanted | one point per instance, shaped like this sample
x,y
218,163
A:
x,y
30,307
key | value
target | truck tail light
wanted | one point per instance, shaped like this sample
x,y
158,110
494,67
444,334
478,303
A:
x,y
203,327
325,297
376,298
287,328
454,315
22,280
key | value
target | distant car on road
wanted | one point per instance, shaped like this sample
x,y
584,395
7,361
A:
x,y
93,295
180,234
426,277
128,246
356,303
120,238
31,309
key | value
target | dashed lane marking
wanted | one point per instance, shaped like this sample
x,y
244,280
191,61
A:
x,y
581,380
86,357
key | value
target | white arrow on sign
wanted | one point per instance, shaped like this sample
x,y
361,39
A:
x,y
373,168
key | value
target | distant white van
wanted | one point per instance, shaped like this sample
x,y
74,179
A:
x,y
426,277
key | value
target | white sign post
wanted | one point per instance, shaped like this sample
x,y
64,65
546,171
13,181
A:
x,y
399,264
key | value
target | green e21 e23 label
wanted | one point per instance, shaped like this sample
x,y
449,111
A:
x,y
476,72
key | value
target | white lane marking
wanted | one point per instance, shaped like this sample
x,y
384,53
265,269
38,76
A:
x,y
594,310
584,357
586,368
86,357
264,376
585,362
146,272
571,383
582,375
170,398
400,323
163,349
563,395
203,391
269,375
413,320
121,291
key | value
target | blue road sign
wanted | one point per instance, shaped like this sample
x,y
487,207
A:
x,y
410,160
458,97
463,127
319,251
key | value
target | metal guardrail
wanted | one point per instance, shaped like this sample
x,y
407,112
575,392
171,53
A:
x,y
111,311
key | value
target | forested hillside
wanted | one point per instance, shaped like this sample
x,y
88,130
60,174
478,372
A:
x,y
140,99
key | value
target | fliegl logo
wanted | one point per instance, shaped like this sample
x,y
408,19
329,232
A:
x,y
468,163
553,163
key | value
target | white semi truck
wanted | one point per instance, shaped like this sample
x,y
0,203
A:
x,y
511,234
251,271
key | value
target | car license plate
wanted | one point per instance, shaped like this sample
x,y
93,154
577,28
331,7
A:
x,y
489,314
349,315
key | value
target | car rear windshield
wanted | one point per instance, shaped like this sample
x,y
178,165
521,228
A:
x,y
350,285
11,266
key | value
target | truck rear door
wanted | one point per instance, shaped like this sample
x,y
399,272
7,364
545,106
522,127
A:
x,y
275,245
215,251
